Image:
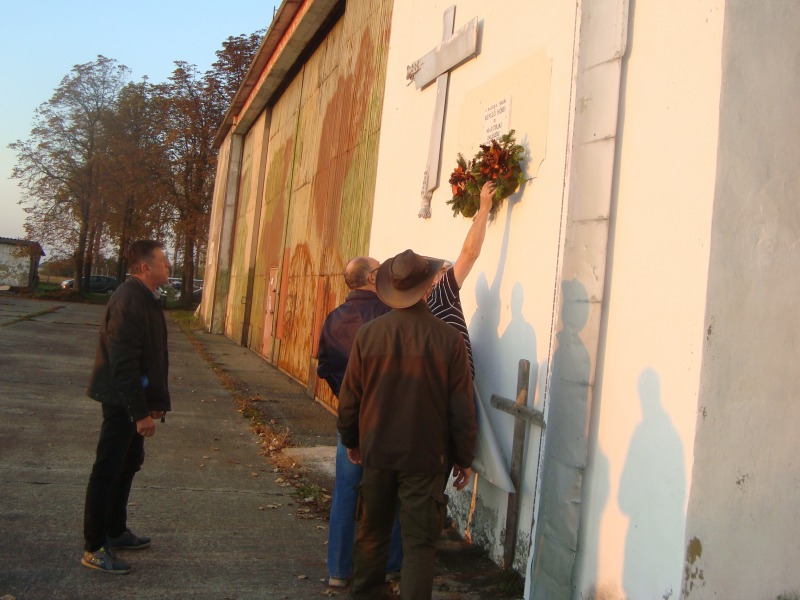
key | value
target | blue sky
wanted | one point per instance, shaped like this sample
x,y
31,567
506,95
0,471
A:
x,y
41,40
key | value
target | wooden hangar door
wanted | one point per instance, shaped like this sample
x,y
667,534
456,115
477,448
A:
x,y
319,184
272,227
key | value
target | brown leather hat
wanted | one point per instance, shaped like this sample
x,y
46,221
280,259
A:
x,y
402,280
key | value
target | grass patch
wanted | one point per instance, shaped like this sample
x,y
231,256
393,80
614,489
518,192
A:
x,y
47,287
314,497
186,319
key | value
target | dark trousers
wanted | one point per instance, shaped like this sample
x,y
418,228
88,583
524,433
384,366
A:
x,y
422,511
120,454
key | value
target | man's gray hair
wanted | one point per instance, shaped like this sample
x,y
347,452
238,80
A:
x,y
357,271
140,252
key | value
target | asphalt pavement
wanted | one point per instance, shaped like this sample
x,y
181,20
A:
x,y
225,522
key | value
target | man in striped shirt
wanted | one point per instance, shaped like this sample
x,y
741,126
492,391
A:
x,y
445,300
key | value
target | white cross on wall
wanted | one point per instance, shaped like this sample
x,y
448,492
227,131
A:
x,y
436,65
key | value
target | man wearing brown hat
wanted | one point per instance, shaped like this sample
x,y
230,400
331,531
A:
x,y
405,415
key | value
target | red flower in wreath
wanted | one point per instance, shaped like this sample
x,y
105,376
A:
x,y
500,162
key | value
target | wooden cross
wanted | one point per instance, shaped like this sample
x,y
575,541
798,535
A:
x,y
436,65
523,414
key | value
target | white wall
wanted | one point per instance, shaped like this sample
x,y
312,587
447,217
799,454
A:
x,y
633,524
744,502
665,371
14,270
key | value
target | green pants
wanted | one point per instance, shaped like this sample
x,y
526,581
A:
x,y
422,511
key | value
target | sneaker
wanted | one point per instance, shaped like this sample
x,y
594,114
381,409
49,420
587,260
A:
x,y
104,560
338,583
393,576
128,541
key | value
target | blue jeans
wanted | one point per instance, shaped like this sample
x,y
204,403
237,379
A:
x,y
341,530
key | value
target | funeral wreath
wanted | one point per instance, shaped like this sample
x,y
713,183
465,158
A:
x,y
499,161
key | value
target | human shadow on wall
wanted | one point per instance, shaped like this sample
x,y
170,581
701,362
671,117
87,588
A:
x,y
518,339
496,358
651,494
565,452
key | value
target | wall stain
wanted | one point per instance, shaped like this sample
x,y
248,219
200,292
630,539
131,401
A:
x,y
692,574
270,237
298,314
742,481
341,131
710,329
606,590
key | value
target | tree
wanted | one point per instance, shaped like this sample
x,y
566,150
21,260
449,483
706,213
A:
x,y
109,161
137,176
231,66
58,165
189,134
193,109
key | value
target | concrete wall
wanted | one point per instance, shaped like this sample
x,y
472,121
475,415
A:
x,y
742,532
651,349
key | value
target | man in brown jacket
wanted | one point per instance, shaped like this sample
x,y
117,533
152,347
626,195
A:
x,y
405,415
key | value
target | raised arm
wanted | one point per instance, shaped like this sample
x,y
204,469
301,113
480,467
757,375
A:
x,y
473,243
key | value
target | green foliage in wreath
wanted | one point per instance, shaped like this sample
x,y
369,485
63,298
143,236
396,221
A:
x,y
500,162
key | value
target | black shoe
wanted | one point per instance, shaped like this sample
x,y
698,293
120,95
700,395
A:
x,y
128,541
104,560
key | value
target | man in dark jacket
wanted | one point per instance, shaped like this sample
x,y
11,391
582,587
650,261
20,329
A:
x,y
335,342
343,322
130,380
406,415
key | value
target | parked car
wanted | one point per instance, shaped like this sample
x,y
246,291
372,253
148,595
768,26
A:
x,y
197,295
100,284
177,283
